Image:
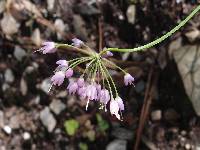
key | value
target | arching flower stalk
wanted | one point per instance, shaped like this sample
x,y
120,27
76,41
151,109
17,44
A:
x,y
95,83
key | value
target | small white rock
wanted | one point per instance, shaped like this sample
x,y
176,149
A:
x,y
19,53
7,129
26,136
131,13
156,115
57,106
50,4
9,77
60,26
36,37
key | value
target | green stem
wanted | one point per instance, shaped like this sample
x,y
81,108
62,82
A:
x,y
153,43
79,62
66,46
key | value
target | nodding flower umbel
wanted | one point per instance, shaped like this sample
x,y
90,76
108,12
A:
x,y
95,83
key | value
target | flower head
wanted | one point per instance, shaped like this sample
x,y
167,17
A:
x,y
120,103
82,92
62,63
114,108
48,47
58,78
128,79
69,73
72,87
77,42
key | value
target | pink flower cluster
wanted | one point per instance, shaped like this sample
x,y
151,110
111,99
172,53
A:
x,y
86,88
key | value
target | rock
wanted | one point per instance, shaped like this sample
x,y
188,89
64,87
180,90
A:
x,y
47,119
79,27
19,53
9,25
122,133
2,6
57,106
14,122
7,129
36,37
5,86
1,119
187,146
26,136
87,9
117,145
156,115
8,75
45,86
60,26
23,87
50,5
192,35
131,13
187,59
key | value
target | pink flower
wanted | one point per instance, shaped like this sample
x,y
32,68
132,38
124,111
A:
x,y
58,78
77,42
114,108
62,63
69,73
91,92
72,87
48,47
120,103
128,79
82,92
80,82
104,96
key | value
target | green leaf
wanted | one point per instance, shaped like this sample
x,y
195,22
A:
x,y
102,124
83,146
71,126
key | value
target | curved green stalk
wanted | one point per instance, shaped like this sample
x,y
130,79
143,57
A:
x,y
151,44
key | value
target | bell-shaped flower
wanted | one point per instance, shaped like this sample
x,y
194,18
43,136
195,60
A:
x,y
120,103
62,63
72,87
114,108
69,73
77,42
128,79
81,82
104,96
91,92
48,47
58,78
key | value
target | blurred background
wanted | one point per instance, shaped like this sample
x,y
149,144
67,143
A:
x,y
162,110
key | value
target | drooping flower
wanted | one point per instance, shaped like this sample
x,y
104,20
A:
x,y
108,54
58,78
72,87
120,103
48,47
128,79
69,73
91,92
80,82
104,96
62,63
82,92
114,108
77,42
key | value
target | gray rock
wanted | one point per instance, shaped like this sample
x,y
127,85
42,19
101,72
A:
x,y
156,115
45,85
8,24
139,87
117,145
19,53
192,35
36,37
187,59
14,122
131,13
122,133
60,26
5,86
57,106
47,119
79,27
9,76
